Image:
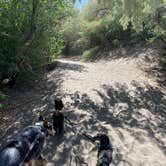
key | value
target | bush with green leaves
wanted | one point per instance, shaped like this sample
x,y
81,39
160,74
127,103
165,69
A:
x,y
88,54
29,35
71,30
2,97
108,24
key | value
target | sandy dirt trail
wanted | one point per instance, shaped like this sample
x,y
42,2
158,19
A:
x,y
116,97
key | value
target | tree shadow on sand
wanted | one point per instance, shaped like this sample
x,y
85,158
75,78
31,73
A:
x,y
143,108
23,105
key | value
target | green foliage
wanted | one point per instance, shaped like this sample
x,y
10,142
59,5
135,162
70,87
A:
x,y
71,31
135,11
107,24
56,46
29,35
2,97
102,32
1,106
89,53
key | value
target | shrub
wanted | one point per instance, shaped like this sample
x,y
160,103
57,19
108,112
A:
x,y
2,97
88,54
29,36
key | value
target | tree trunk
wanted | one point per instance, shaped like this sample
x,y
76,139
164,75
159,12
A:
x,y
33,23
31,34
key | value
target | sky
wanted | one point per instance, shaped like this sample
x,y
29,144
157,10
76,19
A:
x,y
80,5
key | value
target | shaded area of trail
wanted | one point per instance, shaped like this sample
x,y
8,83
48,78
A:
x,y
116,97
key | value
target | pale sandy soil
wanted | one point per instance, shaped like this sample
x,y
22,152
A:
x,y
114,96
